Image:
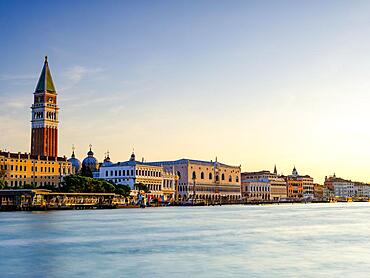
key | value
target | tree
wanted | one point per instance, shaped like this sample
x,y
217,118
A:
x,y
29,186
142,187
108,187
74,183
123,189
2,178
86,171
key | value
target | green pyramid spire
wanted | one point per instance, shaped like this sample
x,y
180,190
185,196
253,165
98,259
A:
x,y
45,81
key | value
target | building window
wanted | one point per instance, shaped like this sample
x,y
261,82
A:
x,y
217,178
202,176
237,179
230,179
223,176
106,173
210,176
194,176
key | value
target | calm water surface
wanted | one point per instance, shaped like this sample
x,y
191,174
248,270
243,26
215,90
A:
x,y
314,240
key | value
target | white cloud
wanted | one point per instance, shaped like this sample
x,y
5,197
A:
x,y
76,73
9,77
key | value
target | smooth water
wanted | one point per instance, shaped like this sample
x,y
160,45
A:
x,y
313,240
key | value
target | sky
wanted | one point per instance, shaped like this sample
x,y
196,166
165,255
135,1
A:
x,y
255,83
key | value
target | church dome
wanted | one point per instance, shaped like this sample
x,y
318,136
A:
x,y
76,164
107,161
132,157
90,161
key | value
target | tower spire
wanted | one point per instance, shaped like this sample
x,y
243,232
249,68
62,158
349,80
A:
x,y
45,83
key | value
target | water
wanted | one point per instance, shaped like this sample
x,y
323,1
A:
x,y
314,240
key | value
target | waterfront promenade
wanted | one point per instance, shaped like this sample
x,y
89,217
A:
x,y
312,240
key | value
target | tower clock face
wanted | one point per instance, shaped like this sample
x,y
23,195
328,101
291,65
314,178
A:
x,y
50,99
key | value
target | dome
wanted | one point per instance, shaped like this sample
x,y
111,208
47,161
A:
x,y
107,161
132,158
90,161
76,164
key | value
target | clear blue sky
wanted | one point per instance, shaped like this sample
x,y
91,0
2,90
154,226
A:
x,y
253,82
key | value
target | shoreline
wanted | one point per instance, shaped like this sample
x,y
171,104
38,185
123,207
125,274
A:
x,y
110,207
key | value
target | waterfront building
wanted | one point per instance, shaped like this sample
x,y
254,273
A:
x,y
299,186
205,180
160,182
256,190
278,188
21,169
327,193
318,191
362,189
255,184
340,187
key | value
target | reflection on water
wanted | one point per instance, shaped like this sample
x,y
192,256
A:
x,y
325,240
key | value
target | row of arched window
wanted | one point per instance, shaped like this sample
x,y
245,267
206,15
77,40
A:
x,y
49,115
210,177
259,188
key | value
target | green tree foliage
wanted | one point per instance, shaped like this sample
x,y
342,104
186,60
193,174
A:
x,y
142,187
86,171
2,178
79,183
123,190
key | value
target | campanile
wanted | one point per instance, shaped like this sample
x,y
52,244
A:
x,y
44,134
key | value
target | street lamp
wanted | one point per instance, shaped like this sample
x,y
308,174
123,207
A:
x,y
193,189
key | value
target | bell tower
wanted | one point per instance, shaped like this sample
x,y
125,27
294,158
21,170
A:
x,y
44,134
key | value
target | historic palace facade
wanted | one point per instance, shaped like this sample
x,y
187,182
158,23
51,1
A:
x,y
204,180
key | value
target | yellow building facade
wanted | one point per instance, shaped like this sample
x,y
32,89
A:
x,y
19,169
